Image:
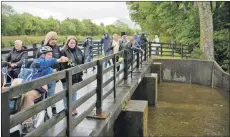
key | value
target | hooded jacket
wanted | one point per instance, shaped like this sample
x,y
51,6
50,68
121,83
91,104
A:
x,y
137,39
106,41
88,47
17,57
77,58
143,39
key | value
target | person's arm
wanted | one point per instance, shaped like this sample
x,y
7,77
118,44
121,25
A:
x,y
85,43
8,57
24,56
102,40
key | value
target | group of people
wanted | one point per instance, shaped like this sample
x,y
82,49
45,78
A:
x,y
50,59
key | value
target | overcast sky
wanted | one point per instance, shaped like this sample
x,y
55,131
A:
x,y
106,12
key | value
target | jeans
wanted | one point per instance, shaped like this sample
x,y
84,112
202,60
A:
x,y
51,90
107,54
74,96
88,58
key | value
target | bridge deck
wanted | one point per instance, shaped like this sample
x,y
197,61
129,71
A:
x,y
89,126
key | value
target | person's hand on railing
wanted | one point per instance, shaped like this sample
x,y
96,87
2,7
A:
x,y
13,65
45,87
54,70
63,59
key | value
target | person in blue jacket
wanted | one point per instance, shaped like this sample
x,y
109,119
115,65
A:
x,y
106,41
43,67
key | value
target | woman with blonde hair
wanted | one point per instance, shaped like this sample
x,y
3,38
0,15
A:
x,y
51,41
76,57
115,47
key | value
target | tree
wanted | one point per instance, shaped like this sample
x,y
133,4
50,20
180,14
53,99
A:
x,y
7,10
206,30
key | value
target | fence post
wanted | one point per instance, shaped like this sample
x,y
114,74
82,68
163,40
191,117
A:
x,y
138,58
132,63
98,48
150,50
5,115
173,50
99,86
114,76
69,103
182,51
141,58
35,49
146,45
125,64
161,50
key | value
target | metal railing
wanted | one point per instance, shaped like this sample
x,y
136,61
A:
x,y
169,49
133,61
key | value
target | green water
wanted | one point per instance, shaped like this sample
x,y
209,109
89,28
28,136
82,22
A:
x,y
189,110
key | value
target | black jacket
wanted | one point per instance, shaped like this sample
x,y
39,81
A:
x,y
77,58
17,57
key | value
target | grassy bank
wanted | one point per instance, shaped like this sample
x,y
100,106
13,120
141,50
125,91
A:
x,y
8,41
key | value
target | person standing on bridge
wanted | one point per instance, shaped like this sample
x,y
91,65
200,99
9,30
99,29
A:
x,y
50,41
157,40
76,57
106,41
88,51
115,47
15,59
143,41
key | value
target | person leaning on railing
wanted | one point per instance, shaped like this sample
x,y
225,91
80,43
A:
x,y
76,57
51,41
43,66
88,50
15,59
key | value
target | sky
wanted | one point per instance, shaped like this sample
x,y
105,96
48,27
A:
x,y
106,12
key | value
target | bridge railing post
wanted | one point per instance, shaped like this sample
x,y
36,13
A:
x,y
161,50
150,48
141,58
99,89
146,46
6,115
34,51
98,49
69,103
182,50
132,58
125,64
173,50
138,58
114,75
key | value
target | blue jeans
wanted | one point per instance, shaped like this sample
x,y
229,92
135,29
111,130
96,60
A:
x,y
88,58
74,96
107,54
51,90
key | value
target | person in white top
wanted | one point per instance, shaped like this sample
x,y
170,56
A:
x,y
115,47
156,39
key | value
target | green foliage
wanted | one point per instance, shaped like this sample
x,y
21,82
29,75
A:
x,y
14,24
179,22
197,53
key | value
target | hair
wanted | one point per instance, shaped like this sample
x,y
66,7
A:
x,y
17,41
50,35
68,39
116,36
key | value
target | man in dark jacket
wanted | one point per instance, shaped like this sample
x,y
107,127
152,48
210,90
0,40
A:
x,y
88,51
143,40
15,58
106,41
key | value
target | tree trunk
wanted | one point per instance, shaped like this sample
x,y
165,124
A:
x,y
206,30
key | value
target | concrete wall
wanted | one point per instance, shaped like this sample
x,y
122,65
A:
x,y
202,72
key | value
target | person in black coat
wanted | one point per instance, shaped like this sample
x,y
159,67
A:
x,y
76,57
15,59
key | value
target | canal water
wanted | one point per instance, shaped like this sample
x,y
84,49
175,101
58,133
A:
x,y
189,110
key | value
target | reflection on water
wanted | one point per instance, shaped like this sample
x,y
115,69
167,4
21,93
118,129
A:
x,y
189,110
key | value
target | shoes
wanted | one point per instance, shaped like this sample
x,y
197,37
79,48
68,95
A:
x,y
94,68
54,110
27,127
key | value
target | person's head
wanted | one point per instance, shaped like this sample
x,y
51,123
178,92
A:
x,y
106,35
71,42
156,36
18,44
51,38
132,40
115,37
135,36
46,52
